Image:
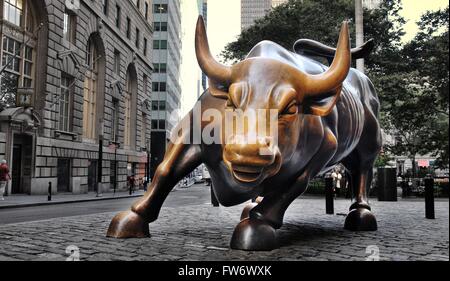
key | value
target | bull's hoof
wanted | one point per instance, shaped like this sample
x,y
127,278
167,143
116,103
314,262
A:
x,y
128,225
254,235
361,219
247,209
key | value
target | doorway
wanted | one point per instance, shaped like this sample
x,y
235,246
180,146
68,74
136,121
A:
x,y
63,175
21,168
92,175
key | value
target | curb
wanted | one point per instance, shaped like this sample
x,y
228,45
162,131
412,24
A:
x,y
66,202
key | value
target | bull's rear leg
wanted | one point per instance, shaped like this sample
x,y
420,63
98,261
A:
x,y
180,160
360,163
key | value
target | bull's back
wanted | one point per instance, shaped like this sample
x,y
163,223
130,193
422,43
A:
x,y
357,100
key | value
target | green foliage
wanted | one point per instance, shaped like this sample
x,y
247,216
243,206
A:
x,y
382,160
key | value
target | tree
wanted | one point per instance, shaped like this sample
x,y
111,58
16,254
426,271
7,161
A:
x,y
8,90
415,100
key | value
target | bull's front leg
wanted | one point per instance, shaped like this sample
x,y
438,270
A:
x,y
257,232
179,161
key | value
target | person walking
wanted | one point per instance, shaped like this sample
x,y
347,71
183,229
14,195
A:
x,y
337,177
4,178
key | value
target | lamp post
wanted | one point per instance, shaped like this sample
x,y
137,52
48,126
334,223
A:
x,y
100,161
116,146
359,24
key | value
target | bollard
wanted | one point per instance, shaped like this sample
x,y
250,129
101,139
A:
x,y
329,196
429,198
49,198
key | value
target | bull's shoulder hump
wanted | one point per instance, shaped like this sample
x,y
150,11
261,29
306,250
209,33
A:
x,y
272,50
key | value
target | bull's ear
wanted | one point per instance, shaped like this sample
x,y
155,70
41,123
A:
x,y
218,91
322,107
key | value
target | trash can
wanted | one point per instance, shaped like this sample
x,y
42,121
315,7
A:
x,y
387,184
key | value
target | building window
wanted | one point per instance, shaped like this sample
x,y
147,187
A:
x,y
128,28
145,46
117,57
12,11
160,44
115,120
127,117
144,130
146,11
118,15
160,67
90,92
160,26
17,58
162,105
145,82
155,105
160,8
159,86
18,62
65,99
162,124
138,4
69,27
105,6
154,124
138,37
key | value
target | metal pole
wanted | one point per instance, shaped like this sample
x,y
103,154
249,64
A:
x,y
329,196
359,24
115,168
100,165
429,198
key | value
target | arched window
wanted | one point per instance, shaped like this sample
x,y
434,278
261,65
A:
x,y
90,91
17,43
130,108
127,117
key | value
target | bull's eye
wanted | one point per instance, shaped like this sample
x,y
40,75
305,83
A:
x,y
291,109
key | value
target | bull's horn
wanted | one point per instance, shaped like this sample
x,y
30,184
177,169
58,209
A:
x,y
315,85
216,71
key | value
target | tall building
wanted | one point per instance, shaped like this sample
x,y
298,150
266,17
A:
x,y
166,76
252,10
80,73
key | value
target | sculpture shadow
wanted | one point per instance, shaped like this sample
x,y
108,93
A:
x,y
294,233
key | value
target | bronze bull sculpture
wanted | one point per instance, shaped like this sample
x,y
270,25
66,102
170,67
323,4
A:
x,y
326,116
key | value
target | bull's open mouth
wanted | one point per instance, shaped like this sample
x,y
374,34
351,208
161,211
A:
x,y
247,174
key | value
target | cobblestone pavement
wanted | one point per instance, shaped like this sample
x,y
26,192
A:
x,y
202,232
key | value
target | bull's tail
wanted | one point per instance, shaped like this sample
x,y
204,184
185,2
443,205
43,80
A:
x,y
309,47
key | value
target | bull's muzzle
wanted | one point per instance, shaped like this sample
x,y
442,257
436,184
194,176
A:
x,y
252,161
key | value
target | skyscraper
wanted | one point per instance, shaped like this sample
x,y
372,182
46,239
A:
x,y
166,75
252,10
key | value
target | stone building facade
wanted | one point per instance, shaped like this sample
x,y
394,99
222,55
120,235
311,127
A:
x,y
81,73
251,10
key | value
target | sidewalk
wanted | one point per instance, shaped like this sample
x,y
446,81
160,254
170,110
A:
x,y
19,201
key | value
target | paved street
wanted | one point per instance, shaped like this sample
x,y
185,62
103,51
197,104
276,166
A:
x,y
180,197
190,229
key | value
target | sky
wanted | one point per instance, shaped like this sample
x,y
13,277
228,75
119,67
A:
x,y
224,24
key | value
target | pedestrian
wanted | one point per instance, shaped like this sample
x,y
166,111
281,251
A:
x,y
131,183
337,177
4,178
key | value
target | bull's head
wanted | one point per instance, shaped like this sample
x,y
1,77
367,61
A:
x,y
264,83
